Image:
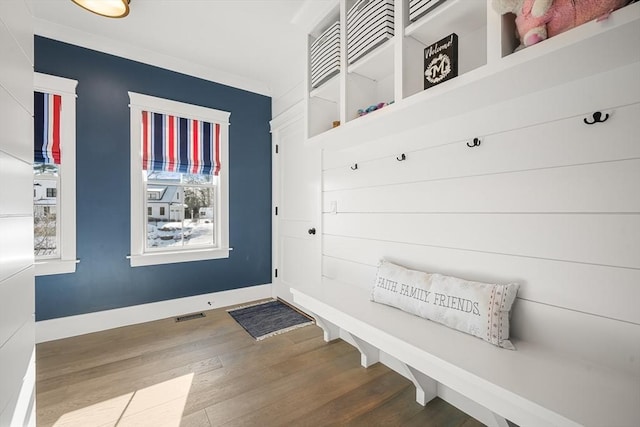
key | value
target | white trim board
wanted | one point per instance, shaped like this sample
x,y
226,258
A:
x,y
65,327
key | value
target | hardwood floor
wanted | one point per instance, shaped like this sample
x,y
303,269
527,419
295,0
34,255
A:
x,y
210,372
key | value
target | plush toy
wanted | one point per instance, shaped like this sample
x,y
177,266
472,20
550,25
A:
x,y
365,111
537,20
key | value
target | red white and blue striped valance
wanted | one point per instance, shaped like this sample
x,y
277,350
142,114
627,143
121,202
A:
x,y
46,125
176,144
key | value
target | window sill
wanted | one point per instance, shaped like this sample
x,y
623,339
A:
x,y
55,266
156,258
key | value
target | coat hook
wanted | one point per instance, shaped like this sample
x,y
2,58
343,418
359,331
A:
x,y
475,143
597,118
354,167
401,158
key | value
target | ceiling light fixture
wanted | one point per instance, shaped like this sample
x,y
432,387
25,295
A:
x,y
108,8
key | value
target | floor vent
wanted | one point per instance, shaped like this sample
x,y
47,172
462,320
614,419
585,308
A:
x,y
189,317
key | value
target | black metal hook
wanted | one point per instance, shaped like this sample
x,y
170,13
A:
x,y
597,118
354,167
475,143
401,158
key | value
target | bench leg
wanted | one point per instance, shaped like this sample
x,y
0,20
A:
x,y
331,331
426,387
369,354
500,421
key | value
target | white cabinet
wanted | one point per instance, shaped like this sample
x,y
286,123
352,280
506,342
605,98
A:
x,y
488,72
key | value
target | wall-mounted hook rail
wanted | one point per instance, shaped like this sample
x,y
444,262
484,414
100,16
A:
x,y
401,158
474,143
354,167
597,118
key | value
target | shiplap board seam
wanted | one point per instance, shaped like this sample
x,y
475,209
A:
x,y
18,329
478,251
480,136
15,273
15,99
514,171
17,42
16,157
407,152
517,297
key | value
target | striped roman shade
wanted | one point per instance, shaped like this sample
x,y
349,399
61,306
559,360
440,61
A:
x,y
46,127
176,144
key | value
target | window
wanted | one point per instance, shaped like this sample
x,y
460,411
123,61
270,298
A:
x,y
179,170
54,175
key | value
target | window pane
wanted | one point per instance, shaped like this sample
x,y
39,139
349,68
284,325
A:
x,y
41,169
45,204
168,177
197,179
165,216
199,216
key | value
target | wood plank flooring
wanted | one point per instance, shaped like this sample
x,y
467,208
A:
x,y
209,372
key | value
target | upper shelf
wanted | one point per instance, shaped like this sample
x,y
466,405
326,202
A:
x,y
377,64
463,15
589,49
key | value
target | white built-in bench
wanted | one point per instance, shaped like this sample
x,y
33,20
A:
x,y
532,386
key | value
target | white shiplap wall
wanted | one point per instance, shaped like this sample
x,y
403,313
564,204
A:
x,y
17,368
545,200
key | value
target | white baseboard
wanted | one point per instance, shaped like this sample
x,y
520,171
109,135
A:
x,y
64,327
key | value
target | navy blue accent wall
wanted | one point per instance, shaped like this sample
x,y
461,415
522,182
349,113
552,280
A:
x,y
104,279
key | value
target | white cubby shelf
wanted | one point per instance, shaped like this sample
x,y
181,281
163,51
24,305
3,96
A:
x,y
489,71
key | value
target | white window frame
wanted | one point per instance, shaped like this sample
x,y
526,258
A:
x,y
66,209
138,257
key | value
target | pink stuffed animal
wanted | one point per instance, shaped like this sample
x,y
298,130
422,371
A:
x,y
537,20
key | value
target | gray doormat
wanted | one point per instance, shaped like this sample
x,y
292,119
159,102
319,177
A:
x,y
269,318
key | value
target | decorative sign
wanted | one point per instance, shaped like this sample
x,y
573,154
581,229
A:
x,y
441,61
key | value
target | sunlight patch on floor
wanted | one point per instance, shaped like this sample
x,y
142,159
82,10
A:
x,y
158,405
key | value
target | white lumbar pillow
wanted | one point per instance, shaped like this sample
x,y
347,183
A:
x,y
479,309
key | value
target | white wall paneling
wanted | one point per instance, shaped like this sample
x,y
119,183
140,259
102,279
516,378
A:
x,y
15,355
17,17
17,322
516,150
594,339
17,126
569,101
546,201
16,175
587,238
556,283
18,255
594,187
17,290
17,73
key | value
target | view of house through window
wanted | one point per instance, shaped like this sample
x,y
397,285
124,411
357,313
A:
x,y
46,220
180,209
